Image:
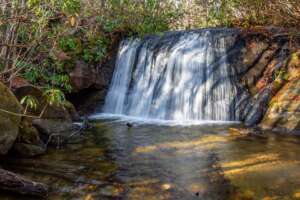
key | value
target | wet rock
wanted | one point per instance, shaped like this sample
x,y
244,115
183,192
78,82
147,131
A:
x,y
239,133
68,112
257,107
57,132
9,123
49,126
28,150
129,125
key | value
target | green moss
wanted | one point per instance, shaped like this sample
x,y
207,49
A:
x,y
9,123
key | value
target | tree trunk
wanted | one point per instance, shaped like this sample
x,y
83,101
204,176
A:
x,y
12,182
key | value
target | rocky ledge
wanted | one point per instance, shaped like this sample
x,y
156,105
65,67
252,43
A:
x,y
267,63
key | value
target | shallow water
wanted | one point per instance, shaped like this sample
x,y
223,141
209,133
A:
x,y
147,161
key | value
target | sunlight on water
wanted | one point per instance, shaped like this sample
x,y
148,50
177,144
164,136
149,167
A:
x,y
146,161
141,120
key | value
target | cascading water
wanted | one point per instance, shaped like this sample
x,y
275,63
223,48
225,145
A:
x,y
177,76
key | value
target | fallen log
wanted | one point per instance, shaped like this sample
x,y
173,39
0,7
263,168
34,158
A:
x,y
12,182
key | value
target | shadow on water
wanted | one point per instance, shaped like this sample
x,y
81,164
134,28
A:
x,y
168,162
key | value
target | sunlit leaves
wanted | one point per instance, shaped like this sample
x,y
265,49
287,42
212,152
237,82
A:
x,y
54,97
70,6
32,3
30,102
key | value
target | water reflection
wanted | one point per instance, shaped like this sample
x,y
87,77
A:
x,y
159,162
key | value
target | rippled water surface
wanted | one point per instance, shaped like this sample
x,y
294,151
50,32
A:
x,y
168,162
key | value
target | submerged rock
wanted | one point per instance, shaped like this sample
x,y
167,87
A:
x,y
28,150
9,123
57,132
129,125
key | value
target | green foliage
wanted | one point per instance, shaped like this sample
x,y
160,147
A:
x,y
29,102
240,13
54,97
281,74
54,34
66,6
68,44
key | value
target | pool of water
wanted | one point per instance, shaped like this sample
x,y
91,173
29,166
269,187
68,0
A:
x,y
207,161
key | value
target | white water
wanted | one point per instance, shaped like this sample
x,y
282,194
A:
x,y
183,76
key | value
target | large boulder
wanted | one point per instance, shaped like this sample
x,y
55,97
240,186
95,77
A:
x,y
68,112
9,122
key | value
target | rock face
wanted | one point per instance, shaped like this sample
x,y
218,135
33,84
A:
x,y
9,123
90,83
268,72
284,109
84,76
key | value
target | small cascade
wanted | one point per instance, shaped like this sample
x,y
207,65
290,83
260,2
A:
x,y
176,76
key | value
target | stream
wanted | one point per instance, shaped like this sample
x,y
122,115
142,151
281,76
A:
x,y
210,161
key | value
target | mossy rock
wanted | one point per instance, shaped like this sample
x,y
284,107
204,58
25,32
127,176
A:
x,y
28,143
68,112
28,133
9,123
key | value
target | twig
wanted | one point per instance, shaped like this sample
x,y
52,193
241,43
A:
x,y
18,114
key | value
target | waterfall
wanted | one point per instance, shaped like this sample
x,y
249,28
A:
x,y
175,76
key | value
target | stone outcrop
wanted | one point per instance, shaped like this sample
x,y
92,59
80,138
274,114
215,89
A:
x,y
9,122
268,71
84,76
90,83
284,109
